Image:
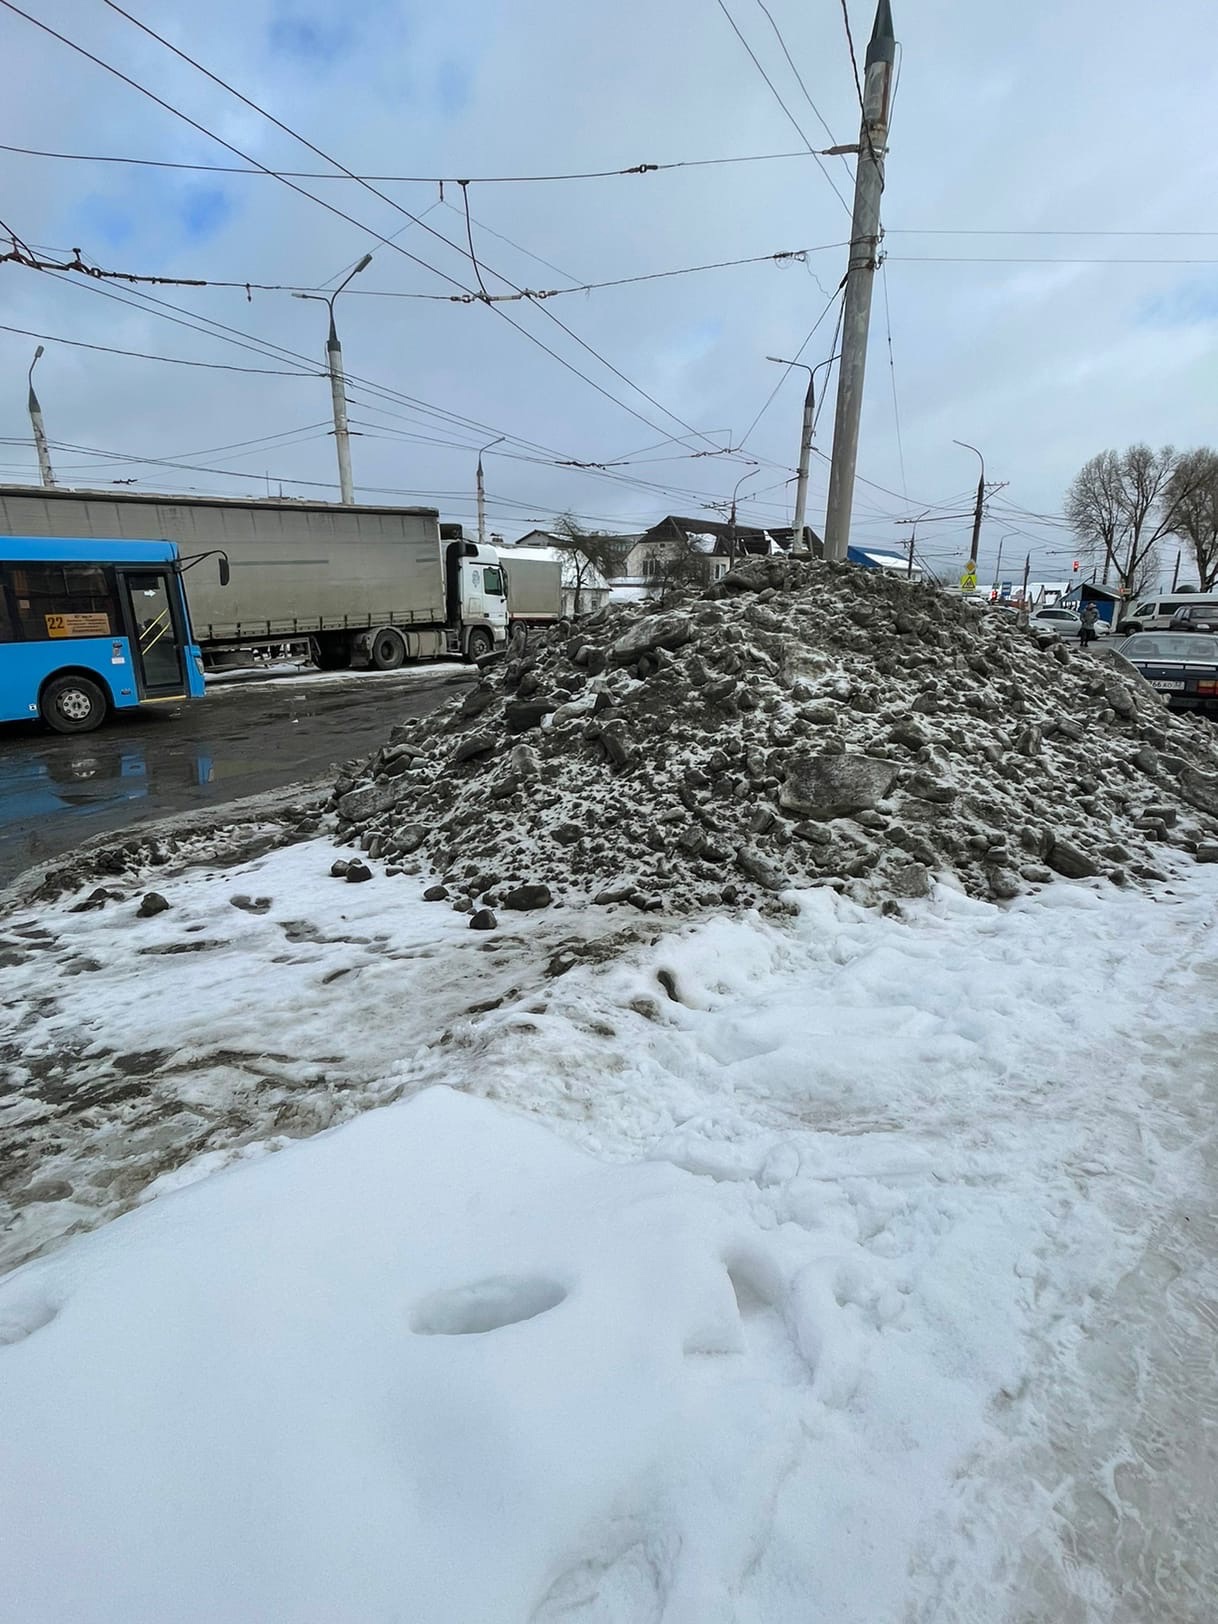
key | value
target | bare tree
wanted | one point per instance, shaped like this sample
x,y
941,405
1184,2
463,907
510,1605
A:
x,y
1193,494
1121,506
673,566
591,553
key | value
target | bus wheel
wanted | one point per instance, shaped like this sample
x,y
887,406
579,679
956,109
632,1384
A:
x,y
388,649
72,705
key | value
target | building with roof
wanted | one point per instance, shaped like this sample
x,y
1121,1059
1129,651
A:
x,y
882,558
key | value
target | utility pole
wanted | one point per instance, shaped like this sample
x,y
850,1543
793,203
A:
x,y
913,536
482,492
805,442
1175,574
732,537
998,566
40,433
338,388
860,273
980,502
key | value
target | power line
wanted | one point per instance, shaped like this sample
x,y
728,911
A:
x,y
421,180
786,372
1032,259
1024,231
892,373
799,76
833,351
431,230
854,61
331,208
785,256
774,91
499,237
355,383
173,360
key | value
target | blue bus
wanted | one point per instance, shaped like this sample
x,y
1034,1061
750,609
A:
x,y
89,627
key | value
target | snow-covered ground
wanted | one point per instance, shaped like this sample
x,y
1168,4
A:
x,y
837,1267
284,673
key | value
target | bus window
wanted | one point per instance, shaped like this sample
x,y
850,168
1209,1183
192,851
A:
x,y
62,600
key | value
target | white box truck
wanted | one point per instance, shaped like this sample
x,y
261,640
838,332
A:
x,y
354,585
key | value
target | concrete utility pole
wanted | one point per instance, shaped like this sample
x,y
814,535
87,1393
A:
x,y
860,273
998,566
980,503
482,492
338,388
805,442
40,433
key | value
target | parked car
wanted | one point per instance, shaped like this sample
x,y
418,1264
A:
x,y
1062,623
1181,665
1195,617
1155,614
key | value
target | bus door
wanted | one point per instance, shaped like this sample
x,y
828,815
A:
x,y
151,608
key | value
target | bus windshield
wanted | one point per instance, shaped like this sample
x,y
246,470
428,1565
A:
x,y
89,628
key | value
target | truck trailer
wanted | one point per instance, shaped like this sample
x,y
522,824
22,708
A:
x,y
354,585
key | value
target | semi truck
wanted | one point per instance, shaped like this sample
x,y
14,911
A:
x,y
351,585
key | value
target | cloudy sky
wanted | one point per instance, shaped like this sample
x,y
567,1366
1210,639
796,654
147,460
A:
x,y
1021,136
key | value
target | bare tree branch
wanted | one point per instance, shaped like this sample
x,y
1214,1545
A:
x,y
1122,505
1194,503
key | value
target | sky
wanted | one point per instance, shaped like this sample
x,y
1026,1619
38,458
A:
x,y
1074,134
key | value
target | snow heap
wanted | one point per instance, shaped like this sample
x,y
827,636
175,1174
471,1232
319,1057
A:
x,y
801,723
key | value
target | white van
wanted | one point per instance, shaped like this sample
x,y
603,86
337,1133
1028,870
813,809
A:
x,y
1153,613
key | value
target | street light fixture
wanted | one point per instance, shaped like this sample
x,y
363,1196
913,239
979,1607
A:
x,y
36,423
338,393
805,440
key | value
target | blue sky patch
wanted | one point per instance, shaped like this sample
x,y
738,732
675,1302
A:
x,y
1190,304
453,82
101,219
309,40
203,211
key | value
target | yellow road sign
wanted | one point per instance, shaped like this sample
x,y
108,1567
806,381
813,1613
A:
x,y
968,581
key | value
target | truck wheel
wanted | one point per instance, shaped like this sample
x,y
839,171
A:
x,y
479,645
388,649
72,704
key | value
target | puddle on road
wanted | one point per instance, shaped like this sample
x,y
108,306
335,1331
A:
x,y
31,790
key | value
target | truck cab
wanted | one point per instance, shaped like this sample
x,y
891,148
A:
x,y
477,596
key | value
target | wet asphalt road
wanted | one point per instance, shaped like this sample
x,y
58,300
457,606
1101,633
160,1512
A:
x,y
248,736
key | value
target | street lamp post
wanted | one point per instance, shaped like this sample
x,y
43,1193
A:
x,y
805,441
338,392
40,433
980,498
482,491
998,566
731,544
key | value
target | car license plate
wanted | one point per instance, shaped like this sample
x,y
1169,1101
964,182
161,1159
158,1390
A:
x,y
1167,687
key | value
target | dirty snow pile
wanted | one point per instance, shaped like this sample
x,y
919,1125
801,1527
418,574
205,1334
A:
x,y
801,723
